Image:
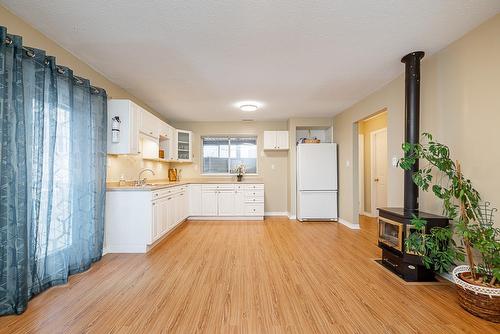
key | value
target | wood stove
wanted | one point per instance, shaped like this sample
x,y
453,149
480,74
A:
x,y
394,224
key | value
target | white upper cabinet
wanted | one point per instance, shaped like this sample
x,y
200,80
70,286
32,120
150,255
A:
x,y
282,140
125,138
149,124
168,142
164,129
184,145
276,140
140,132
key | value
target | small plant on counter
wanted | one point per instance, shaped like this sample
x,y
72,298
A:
x,y
240,170
479,282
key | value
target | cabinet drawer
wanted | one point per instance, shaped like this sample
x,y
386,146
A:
x,y
254,209
254,186
217,187
254,199
168,191
162,193
254,193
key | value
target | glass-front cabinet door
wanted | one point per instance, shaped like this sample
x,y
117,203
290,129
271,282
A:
x,y
184,145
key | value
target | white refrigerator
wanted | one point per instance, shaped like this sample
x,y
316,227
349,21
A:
x,y
317,187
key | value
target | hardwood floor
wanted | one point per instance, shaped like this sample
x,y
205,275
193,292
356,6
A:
x,y
274,276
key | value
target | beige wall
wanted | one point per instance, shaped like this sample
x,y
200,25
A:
x,y
460,105
292,124
272,165
365,128
129,166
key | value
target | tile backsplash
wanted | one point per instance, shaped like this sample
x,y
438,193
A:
x,y
130,165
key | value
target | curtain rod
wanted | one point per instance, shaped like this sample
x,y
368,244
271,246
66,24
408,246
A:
x,y
60,69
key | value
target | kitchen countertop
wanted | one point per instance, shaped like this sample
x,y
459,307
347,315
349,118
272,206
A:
x,y
160,184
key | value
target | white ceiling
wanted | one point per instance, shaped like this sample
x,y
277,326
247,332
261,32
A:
x,y
193,59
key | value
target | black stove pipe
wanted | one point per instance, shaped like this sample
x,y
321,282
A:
x,y
412,123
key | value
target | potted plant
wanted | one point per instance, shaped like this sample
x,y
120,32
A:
x,y
240,170
478,282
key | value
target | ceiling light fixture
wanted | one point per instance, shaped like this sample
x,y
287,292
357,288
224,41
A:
x,y
249,107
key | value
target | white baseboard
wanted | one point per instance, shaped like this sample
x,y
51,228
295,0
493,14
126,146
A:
x,y
292,217
275,213
349,224
126,249
226,218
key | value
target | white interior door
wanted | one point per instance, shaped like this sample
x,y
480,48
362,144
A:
x,y
379,169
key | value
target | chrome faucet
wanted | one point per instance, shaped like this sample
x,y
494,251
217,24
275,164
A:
x,y
141,182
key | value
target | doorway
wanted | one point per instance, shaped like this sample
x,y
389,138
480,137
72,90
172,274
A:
x,y
373,163
378,169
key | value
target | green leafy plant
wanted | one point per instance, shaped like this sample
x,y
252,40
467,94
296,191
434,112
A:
x,y
437,247
472,221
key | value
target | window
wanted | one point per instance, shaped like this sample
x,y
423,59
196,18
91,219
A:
x,y
221,155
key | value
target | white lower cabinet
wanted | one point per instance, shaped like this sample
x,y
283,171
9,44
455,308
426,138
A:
x,y
227,200
194,203
239,202
169,209
137,219
209,203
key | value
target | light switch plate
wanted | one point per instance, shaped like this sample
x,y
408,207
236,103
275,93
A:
x,y
395,162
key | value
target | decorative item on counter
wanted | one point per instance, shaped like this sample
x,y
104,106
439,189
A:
x,y
161,154
172,174
240,170
122,181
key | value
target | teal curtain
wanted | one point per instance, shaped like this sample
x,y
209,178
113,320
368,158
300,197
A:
x,y
52,173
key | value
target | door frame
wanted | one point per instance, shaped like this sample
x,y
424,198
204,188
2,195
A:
x,y
361,172
373,194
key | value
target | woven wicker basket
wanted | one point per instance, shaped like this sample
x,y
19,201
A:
x,y
481,301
